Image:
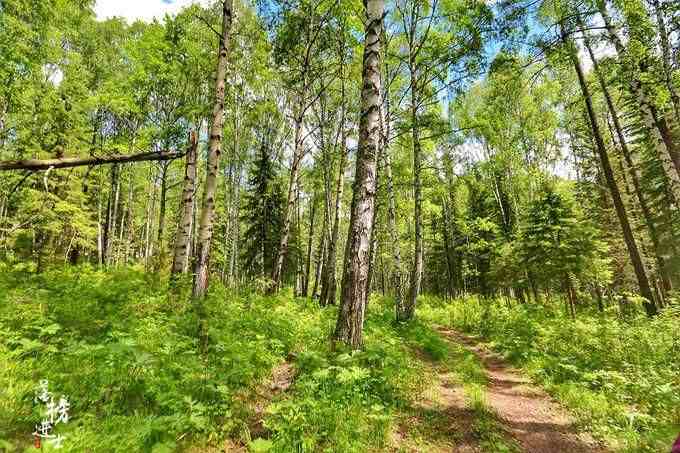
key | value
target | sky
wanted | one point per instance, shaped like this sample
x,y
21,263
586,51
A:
x,y
144,10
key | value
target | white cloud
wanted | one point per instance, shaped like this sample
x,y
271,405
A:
x,y
145,10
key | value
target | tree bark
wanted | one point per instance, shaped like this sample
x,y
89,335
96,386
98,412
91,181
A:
x,y
636,259
350,323
417,269
183,236
396,272
632,169
236,230
70,162
447,248
310,239
207,219
160,249
109,224
298,153
319,261
328,283
656,127
129,222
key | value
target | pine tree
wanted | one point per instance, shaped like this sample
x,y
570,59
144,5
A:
x,y
262,213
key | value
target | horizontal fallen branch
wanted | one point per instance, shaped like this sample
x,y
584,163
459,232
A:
x,y
69,162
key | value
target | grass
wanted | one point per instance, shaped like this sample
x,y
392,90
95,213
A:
x,y
124,350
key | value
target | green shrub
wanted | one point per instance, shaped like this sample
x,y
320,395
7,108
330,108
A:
x,y
124,351
345,401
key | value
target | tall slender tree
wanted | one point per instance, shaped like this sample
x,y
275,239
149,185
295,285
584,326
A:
x,y
205,232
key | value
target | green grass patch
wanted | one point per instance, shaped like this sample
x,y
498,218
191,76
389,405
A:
x,y
124,350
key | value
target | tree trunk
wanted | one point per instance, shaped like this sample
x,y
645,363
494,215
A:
x,y
183,236
205,232
319,261
130,221
632,169
228,203
322,253
298,153
655,126
100,230
71,162
298,248
328,283
666,57
161,217
109,224
397,279
372,252
396,272
236,230
151,208
636,260
350,323
447,249
417,270
310,239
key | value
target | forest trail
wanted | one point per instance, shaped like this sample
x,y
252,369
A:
x,y
527,413
441,420
280,379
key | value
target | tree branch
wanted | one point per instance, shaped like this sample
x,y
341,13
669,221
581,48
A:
x,y
69,162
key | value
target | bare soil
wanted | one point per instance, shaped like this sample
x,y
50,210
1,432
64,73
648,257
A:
x,y
529,414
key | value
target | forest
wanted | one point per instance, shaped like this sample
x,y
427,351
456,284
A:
x,y
340,226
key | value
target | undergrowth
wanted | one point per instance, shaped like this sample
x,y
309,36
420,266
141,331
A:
x,y
124,349
618,375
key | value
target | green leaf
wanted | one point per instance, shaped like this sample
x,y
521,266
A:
x,y
260,445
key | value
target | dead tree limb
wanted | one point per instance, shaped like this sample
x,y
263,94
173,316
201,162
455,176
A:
x,y
69,162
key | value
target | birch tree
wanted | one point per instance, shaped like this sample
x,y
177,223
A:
x,y
350,322
205,231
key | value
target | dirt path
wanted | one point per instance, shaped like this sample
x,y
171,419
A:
x,y
279,381
534,420
440,421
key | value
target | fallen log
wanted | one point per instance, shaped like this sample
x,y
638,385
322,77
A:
x,y
69,162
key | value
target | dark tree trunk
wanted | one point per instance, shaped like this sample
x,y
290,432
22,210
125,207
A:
x,y
110,221
160,249
635,178
447,250
636,259
328,282
310,239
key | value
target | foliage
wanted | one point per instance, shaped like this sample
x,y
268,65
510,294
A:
x,y
345,401
126,354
